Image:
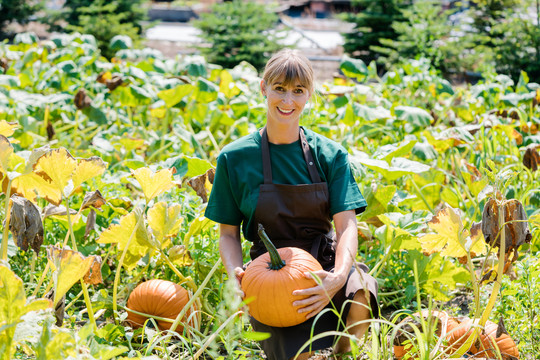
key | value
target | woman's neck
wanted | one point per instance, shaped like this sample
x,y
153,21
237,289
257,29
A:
x,y
282,134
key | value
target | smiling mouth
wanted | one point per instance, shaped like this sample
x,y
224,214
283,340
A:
x,y
285,112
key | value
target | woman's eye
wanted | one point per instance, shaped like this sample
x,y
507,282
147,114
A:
x,y
299,91
279,88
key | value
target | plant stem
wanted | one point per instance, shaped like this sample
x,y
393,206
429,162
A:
x,y
83,284
36,289
120,262
5,235
276,262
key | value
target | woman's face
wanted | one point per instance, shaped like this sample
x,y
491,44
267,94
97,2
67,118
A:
x,y
285,103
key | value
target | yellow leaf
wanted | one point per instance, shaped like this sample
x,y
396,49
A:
x,y
121,233
31,184
450,238
87,169
69,267
6,150
7,129
153,184
165,221
58,165
198,225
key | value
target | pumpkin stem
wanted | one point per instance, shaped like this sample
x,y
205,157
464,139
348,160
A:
x,y
276,262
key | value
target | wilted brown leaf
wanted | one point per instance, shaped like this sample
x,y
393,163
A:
x,y
59,308
198,183
50,131
90,223
531,158
25,223
93,276
4,64
114,82
60,210
93,199
82,100
516,228
501,329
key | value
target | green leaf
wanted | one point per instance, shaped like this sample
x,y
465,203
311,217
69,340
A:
x,y
398,167
377,199
120,42
12,307
353,68
415,118
390,151
174,96
441,276
198,225
369,113
255,335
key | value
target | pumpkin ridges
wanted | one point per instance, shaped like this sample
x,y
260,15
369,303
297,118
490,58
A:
x,y
159,298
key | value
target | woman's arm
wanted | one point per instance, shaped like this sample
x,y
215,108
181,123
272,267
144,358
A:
x,y
230,250
332,282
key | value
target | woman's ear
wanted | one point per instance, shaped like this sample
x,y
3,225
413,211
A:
x,y
263,87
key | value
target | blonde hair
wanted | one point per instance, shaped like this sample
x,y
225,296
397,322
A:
x,y
292,65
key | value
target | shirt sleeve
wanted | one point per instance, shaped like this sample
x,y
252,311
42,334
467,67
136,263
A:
x,y
343,189
222,206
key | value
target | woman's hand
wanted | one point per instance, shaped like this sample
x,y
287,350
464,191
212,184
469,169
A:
x,y
320,295
239,274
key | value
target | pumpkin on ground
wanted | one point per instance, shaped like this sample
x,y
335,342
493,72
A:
x,y
446,326
270,280
488,340
160,298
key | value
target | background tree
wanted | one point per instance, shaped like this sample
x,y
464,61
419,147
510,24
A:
x,y
16,10
426,33
510,31
372,23
103,19
238,31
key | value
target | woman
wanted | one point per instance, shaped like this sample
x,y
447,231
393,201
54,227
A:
x,y
295,182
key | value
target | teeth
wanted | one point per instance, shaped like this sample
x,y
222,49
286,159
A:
x,y
285,111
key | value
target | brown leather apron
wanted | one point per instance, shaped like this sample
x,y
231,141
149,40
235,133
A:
x,y
299,216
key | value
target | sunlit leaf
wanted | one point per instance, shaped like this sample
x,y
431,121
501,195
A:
x,y
87,169
174,96
130,226
31,185
450,238
353,68
198,225
58,165
179,255
153,184
7,129
226,85
68,267
441,276
6,150
13,306
398,167
165,221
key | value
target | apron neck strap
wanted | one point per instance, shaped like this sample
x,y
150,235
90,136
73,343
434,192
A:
x,y
267,165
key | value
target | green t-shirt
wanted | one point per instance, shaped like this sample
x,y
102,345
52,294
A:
x,y
239,174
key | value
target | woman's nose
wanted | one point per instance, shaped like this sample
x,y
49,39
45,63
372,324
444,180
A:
x,y
287,98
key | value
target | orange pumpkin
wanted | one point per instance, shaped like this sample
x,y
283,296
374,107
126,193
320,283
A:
x,y
446,326
159,298
488,340
270,280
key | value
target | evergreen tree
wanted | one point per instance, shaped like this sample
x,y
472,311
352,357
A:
x,y
238,31
102,18
372,24
426,33
16,10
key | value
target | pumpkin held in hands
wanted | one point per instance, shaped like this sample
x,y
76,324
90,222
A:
x,y
160,298
271,279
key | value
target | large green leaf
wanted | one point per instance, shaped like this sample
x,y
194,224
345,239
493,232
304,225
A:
x,y
415,118
353,68
174,96
397,168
